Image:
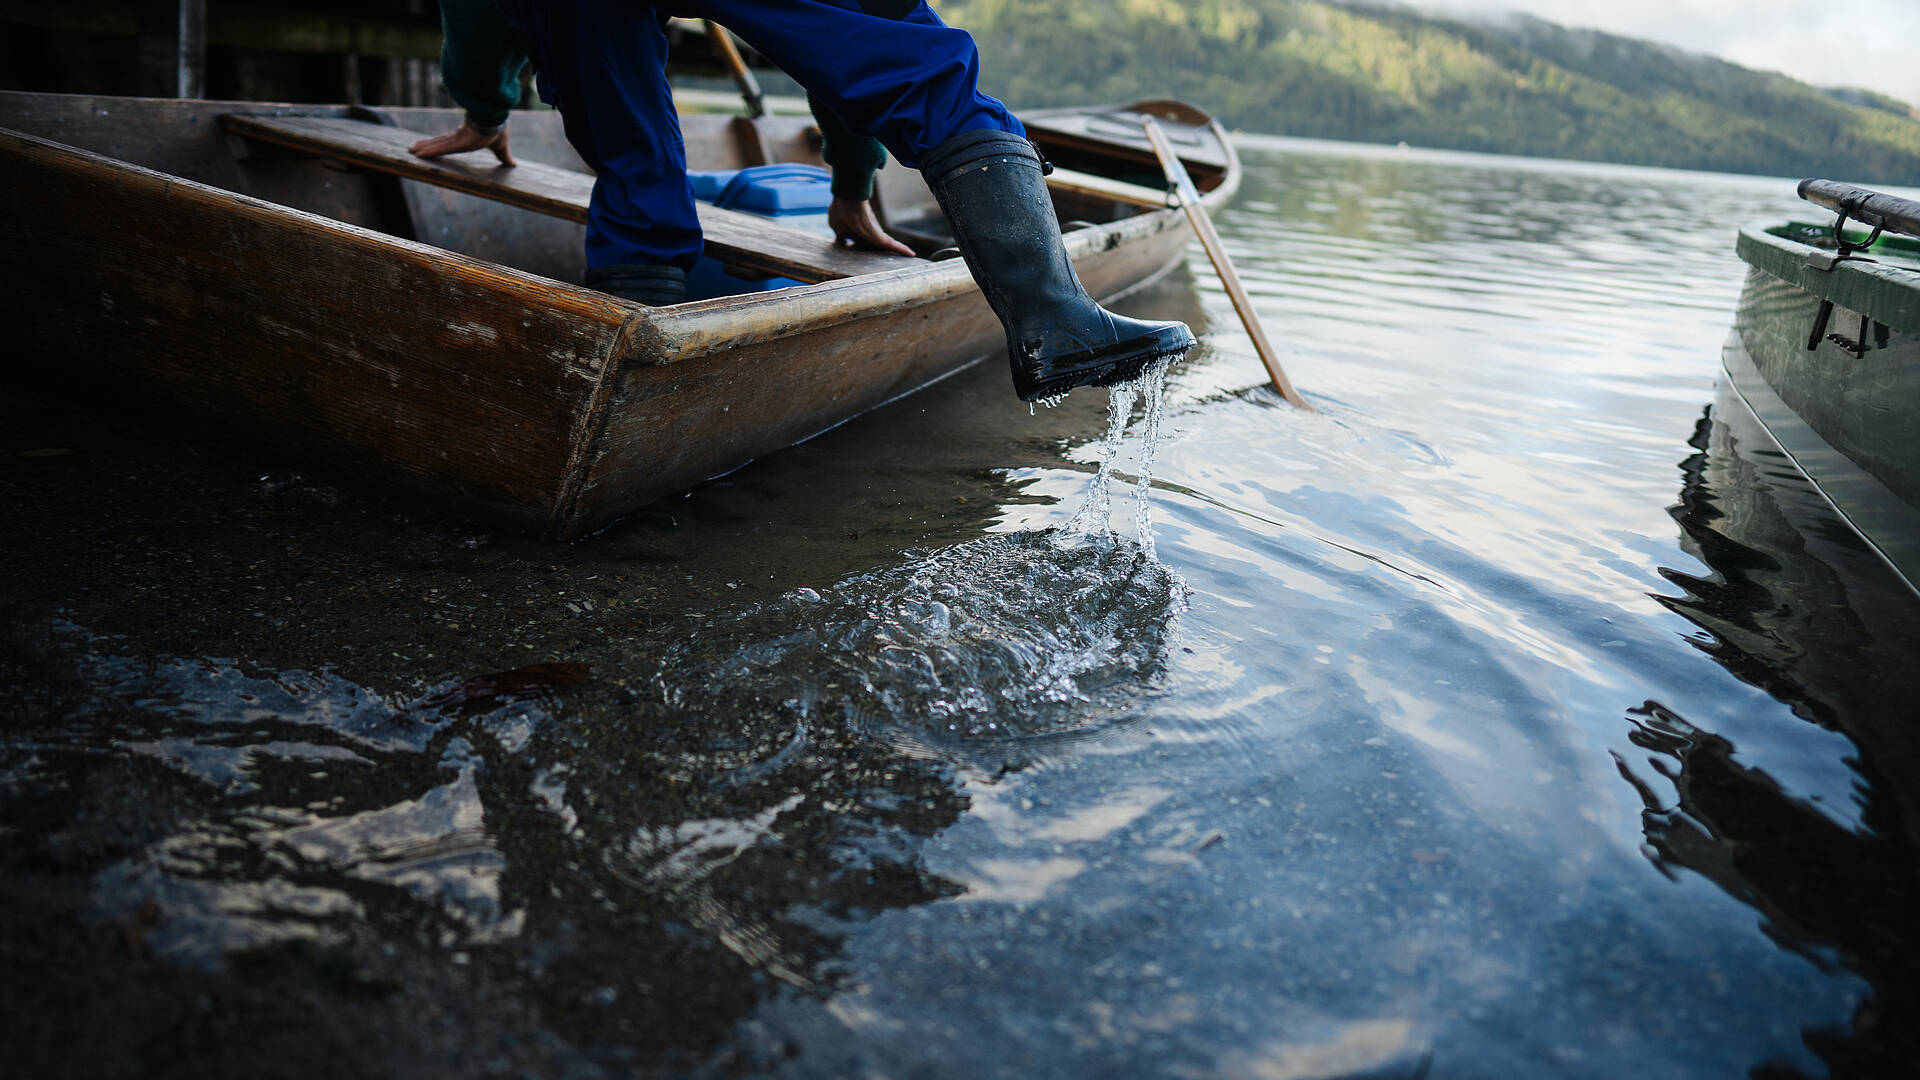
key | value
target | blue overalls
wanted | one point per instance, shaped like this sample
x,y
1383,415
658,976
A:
x,y
888,68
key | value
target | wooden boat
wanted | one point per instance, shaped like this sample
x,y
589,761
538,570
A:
x,y
290,274
1825,351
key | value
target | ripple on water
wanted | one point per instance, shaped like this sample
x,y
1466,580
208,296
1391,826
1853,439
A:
x,y
317,804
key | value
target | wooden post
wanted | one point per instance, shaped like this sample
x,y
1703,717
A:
x,y
172,48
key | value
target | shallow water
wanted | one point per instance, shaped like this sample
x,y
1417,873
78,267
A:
x,y
1519,713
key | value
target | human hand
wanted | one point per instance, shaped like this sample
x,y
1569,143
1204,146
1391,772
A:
x,y
462,139
854,219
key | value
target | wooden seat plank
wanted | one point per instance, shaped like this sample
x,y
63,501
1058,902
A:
x,y
1082,183
743,241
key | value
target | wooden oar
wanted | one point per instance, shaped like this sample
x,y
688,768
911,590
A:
x,y
749,86
1216,251
722,40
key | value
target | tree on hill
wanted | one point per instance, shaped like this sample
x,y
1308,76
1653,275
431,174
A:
x,y
1515,85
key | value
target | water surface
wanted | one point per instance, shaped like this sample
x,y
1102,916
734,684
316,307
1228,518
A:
x,y
1519,713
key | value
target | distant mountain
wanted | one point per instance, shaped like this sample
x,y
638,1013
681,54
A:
x,y
1515,85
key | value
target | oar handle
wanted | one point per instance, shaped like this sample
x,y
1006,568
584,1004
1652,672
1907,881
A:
x,y
1217,252
1873,209
722,40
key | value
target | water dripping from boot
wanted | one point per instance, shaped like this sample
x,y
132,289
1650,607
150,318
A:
x,y
1094,518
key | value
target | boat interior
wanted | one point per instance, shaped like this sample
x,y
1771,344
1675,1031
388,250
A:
x,y
351,164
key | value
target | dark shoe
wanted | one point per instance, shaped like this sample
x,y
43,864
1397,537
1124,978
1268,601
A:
x,y
991,187
642,283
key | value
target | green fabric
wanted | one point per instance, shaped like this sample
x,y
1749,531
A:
x,y
480,60
853,158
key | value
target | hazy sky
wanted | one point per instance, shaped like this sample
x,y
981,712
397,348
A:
x,y
1824,42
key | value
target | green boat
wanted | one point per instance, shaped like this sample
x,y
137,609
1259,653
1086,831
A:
x,y
1825,351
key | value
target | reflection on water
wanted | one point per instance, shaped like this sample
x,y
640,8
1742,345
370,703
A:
x,y
304,812
1797,603
1422,735
301,826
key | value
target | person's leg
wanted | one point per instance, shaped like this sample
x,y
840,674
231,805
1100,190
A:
x,y
894,70
993,190
890,69
603,64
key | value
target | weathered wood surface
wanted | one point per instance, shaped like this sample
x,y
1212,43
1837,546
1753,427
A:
x,y
389,360
186,139
742,240
1088,185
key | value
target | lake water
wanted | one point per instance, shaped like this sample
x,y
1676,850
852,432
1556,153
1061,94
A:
x,y
1519,713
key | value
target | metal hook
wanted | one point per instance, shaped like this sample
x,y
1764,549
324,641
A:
x,y
1847,247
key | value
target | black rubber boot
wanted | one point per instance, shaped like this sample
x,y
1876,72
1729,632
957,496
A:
x,y
642,283
992,190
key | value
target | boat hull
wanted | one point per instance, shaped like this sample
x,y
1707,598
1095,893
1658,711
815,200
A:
x,y
305,316
1847,411
1848,408
385,360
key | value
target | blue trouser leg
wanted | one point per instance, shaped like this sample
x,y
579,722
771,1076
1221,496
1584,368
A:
x,y
910,81
602,63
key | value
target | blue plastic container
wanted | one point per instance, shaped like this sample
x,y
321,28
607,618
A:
x,y
796,196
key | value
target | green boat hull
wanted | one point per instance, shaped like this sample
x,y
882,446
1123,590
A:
x,y
1846,410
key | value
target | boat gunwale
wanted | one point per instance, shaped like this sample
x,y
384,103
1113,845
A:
x,y
692,330
590,302
1891,293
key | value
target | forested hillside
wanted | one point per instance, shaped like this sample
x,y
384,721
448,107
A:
x,y
1517,85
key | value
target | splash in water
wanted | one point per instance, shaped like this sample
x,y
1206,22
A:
x,y
1019,636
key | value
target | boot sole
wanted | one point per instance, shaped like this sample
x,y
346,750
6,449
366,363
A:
x,y
1098,371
